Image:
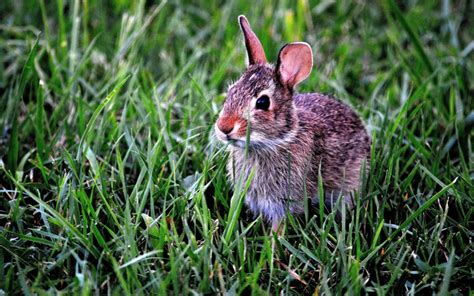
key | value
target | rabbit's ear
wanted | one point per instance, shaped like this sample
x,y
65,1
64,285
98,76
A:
x,y
254,47
295,62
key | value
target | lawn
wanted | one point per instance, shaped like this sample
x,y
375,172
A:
x,y
111,180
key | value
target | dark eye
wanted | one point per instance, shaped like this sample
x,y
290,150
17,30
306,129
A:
x,y
263,103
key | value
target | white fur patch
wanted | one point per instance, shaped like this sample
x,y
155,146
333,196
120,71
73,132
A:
x,y
261,139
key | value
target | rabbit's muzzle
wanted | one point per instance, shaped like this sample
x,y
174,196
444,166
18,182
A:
x,y
230,129
227,124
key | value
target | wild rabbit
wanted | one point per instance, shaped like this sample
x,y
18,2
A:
x,y
292,137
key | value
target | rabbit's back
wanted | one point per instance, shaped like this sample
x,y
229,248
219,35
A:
x,y
340,141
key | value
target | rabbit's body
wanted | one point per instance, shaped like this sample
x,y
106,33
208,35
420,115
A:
x,y
286,171
292,136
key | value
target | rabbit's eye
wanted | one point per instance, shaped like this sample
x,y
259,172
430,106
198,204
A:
x,y
263,103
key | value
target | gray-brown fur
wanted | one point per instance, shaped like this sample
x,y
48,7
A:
x,y
290,141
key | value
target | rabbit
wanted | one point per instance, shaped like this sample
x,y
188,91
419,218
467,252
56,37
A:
x,y
292,138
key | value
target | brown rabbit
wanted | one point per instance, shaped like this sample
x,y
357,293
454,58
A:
x,y
291,136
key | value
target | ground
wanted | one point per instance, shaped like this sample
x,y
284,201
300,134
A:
x,y
111,180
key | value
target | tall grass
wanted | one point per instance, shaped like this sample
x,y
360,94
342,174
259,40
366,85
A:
x,y
111,181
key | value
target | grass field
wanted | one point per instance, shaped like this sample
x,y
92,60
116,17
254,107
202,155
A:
x,y
111,180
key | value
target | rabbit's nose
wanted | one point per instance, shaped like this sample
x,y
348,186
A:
x,y
226,124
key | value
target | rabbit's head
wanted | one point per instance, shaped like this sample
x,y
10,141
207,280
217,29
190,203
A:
x,y
261,101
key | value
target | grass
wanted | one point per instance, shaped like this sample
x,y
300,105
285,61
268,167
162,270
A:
x,y
111,181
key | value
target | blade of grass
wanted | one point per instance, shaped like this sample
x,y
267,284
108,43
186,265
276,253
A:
x,y
14,145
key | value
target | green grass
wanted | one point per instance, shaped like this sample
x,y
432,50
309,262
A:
x,y
111,181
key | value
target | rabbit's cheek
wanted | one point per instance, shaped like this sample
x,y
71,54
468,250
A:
x,y
265,117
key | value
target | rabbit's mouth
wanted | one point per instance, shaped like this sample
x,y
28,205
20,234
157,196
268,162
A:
x,y
229,137
239,143
230,140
